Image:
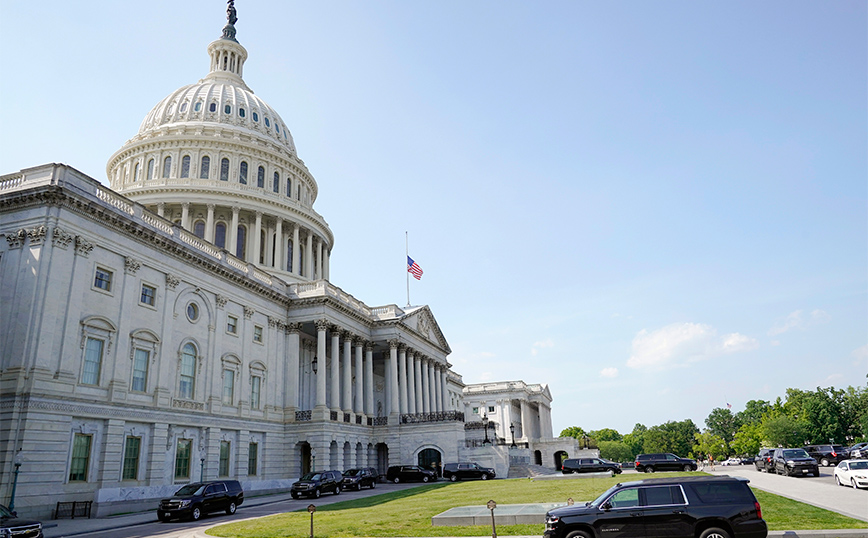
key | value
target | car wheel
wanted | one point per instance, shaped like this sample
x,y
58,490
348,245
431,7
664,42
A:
x,y
231,508
196,514
316,493
163,517
853,483
338,490
687,468
824,462
425,478
578,534
373,484
294,495
484,477
838,481
396,480
714,532
454,478
649,469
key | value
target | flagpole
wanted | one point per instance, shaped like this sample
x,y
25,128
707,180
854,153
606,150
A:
x,y
407,245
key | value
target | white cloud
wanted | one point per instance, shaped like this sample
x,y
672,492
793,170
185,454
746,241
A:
x,y
861,355
609,372
680,344
798,320
540,345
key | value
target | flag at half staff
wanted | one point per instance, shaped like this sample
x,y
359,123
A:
x,y
413,268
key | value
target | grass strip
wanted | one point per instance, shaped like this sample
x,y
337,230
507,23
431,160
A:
x,y
409,512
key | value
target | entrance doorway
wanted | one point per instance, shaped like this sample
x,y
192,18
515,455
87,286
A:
x,y
560,456
537,457
430,459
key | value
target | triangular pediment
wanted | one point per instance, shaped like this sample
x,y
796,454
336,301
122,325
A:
x,y
422,321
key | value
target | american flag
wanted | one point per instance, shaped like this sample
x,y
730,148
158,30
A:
x,y
413,268
728,405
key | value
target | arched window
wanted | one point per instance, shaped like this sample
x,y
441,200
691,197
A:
x,y
136,172
206,165
260,178
185,166
150,169
199,229
224,169
220,235
276,186
187,383
267,123
255,117
241,112
289,187
242,173
212,107
167,166
227,109
197,107
183,107
276,126
241,243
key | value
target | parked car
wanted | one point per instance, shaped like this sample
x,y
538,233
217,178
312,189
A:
x,y
466,471
200,498
590,465
358,478
763,461
859,450
732,461
663,462
827,455
794,461
680,507
10,525
409,473
853,473
747,460
316,483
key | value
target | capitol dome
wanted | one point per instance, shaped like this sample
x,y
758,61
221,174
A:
x,y
219,162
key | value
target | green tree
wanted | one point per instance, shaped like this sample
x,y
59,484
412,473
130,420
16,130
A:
x,y
754,411
856,413
606,434
573,431
748,440
615,451
821,413
635,439
708,444
723,423
674,437
779,429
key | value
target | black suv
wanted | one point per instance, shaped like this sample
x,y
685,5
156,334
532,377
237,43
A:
x,y
590,465
316,483
10,525
763,460
358,478
462,471
663,462
200,498
794,461
681,507
409,473
827,455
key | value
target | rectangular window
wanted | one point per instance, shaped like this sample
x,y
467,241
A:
x,y
252,458
182,458
131,458
228,387
257,334
491,409
255,386
92,361
475,410
102,279
140,370
149,295
232,324
80,458
224,459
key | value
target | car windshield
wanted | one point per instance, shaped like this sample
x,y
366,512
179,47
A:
x,y
310,476
604,496
352,472
4,512
838,448
861,465
795,453
191,489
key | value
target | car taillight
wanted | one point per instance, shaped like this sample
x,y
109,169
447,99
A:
x,y
759,511
834,455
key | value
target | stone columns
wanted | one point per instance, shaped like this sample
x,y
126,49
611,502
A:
x,y
320,399
185,215
369,379
257,233
161,209
426,391
438,386
347,375
393,376
358,404
411,382
417,374
291,394
318,271
334,371
525,420
295,252
279,246
209,224
308,256
444,387
325,265
402,378
233,232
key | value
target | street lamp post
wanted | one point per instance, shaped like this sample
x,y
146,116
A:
x,y
17,464
512,432
485,427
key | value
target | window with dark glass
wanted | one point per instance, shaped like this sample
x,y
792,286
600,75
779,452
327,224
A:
x,y
151,169
80,458
199,229
132,447
227,109
197,107
241,243
255,116
289,187
103,279
224,169
241,112
205,166
167,166
185,166
242,173
149,295
223,469
267,123
231,324
252,458
257,334
212,107
289,255
220,235
183,451
183,107
188,372
276,185
260,177
140,370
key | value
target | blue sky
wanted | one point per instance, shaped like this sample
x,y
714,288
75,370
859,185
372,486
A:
x,y
654,207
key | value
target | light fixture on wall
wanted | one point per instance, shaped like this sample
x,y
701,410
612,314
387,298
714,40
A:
x,y
313,364
512,431
485,427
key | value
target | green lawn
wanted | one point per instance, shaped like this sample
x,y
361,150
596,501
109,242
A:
x,y
409,512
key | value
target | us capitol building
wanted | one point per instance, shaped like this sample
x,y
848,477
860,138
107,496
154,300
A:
x,y
181,326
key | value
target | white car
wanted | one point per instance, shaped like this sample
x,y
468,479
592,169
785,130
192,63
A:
x,y
732,461
852,473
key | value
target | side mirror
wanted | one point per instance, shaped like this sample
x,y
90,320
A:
x,y
606,506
